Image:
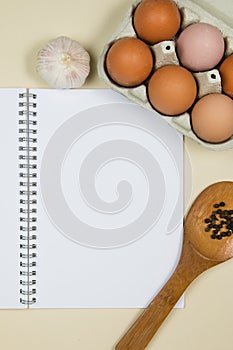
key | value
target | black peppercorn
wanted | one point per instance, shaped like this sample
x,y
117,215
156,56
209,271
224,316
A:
x,y
220,222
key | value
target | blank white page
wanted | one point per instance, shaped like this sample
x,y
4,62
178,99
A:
x,y
9,201
109,200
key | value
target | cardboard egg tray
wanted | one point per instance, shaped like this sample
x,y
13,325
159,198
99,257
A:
x,y
165,53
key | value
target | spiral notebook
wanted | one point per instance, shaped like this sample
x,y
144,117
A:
x,y
91,200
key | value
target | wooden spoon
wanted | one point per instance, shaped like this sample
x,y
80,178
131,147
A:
x,y
199,253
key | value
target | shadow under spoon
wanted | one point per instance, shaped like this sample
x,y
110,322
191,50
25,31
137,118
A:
x,y
200,252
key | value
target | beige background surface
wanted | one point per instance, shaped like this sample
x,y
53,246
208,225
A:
x,y
206,321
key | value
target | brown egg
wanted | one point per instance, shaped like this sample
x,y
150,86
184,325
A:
x,y
172,90
129,62
156,20
226,72
212,118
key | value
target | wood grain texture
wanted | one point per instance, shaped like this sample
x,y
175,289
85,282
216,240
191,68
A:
x,y
191,264
195,226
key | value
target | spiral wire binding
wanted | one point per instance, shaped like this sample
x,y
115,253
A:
x,y
28,196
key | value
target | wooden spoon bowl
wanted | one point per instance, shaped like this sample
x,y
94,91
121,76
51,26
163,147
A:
x,y
200,252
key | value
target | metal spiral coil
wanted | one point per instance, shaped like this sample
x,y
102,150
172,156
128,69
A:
x,y
33,291
26,256
25,175
27,131
26,139
27,302
25,238
25,201
25,211
27,191
28,228
30,283
23,157
27,95
30,149
28,166
24,184
31,122
25,104
22,264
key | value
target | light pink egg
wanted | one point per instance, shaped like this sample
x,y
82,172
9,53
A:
x,y
200,47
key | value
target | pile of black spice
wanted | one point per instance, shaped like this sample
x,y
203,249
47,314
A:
x,y
220,222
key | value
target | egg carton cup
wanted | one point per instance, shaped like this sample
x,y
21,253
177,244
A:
x,y
165,54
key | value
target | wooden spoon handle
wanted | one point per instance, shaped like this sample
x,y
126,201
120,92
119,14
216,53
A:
x,y
141,332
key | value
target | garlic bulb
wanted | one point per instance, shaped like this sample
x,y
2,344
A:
x,y
63,63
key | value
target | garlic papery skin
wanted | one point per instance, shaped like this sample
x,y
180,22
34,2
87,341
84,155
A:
x,y
63,63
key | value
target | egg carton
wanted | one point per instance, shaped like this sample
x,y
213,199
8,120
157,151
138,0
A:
x,y
165,53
